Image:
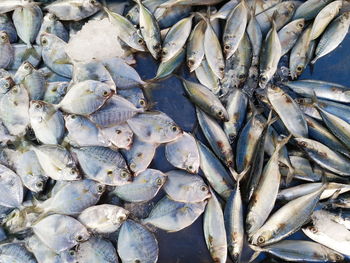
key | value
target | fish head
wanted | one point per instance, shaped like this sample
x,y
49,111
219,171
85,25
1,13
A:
x,y
261,237
38,108
4,37
220,112
91,6
70,173
6,84
104,90
335,257
81,235
122,176
49,17
173,131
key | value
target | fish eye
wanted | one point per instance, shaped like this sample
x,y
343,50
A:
x,y
124,174
313,229
3,36
204,188
227,47
132,166
220,113
337,257
37,106
39,184
118,131
72,171
44,41
79,238
6,85
241,76
137,261
299,68
73,116
109,172
300,25
142,102
100,188
121,218
159,181
174,128
190,167
27,66
261,240
263,79
164,52
140,41
71,252
221,69
128,17
190,62
105,93
156,46
93,2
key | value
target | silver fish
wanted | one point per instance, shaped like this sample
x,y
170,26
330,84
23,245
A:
x,y
6,50
174,216
11,187
73,10
136,243
143,188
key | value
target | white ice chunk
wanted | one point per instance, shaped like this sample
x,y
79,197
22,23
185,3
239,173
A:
x,y
97,40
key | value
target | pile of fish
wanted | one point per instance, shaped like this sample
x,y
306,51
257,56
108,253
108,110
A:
x,y
78,137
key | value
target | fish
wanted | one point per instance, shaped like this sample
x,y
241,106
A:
x,y
216,137
27,20
136,242
46,122
73,10
154,127
14,106
7,26
140,155
166,69
55,56
57,162
115,111
327,232
103,219
60,232
332,36
236,106
205,100
215,172
83,132
289,34
51,24
143,188
174,216
324,156
309,9
118,136
103,165
183,153
288,111
234,28
324,17
195,47
294,250
214,230
55,91
176,38
6,50
208,78
11,187
127,31
183,187
17,252
287,220
271,51
86,97
150,31
33,80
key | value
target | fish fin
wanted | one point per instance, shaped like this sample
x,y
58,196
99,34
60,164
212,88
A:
x,y
63,61
30,52
239,176
283,142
